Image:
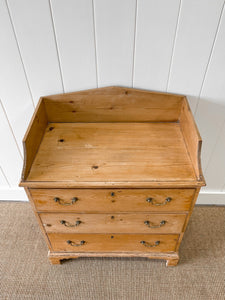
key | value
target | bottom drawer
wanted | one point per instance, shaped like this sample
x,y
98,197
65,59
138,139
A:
x,y
113,242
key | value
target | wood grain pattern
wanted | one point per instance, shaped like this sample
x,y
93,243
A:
x,y
68,153
172,262
116,223
99,150
33,137
109,104
55,260
114,184
194,198
38,219
57,257
101,200
192,138
119,242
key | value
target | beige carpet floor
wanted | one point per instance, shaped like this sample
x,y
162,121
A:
x,y
26,273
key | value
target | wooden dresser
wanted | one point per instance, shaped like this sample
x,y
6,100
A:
x,y
112,172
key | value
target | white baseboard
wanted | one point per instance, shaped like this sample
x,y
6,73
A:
x,y
18,194
13,194
211,198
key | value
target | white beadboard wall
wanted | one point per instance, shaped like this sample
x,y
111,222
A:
x,y
55,46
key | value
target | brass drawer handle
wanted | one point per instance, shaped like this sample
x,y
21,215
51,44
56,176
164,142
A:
x,y
151,200
146,244
67,224
57,199
74,244
148,223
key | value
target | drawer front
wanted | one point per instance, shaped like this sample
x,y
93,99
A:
x,y
116,223
112,200
113,243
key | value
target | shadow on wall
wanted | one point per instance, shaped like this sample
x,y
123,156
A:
x,y
210,119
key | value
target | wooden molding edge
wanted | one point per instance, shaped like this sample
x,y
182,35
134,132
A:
x,y
171,258
192,139
33,137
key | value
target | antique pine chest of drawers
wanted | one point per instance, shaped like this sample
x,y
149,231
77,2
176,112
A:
x,y
112,172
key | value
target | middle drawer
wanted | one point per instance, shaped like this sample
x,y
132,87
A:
x,y
113,223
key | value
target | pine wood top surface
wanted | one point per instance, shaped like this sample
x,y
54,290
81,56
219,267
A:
x,y
112,152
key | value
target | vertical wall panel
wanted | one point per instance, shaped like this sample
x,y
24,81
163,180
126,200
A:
x,y
209,118
195,35
74,27
34,31
210,115
14,91
3,181
49,45
115,27
10,159
156,25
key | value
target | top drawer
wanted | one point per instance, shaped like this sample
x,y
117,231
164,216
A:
x,y
112,200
